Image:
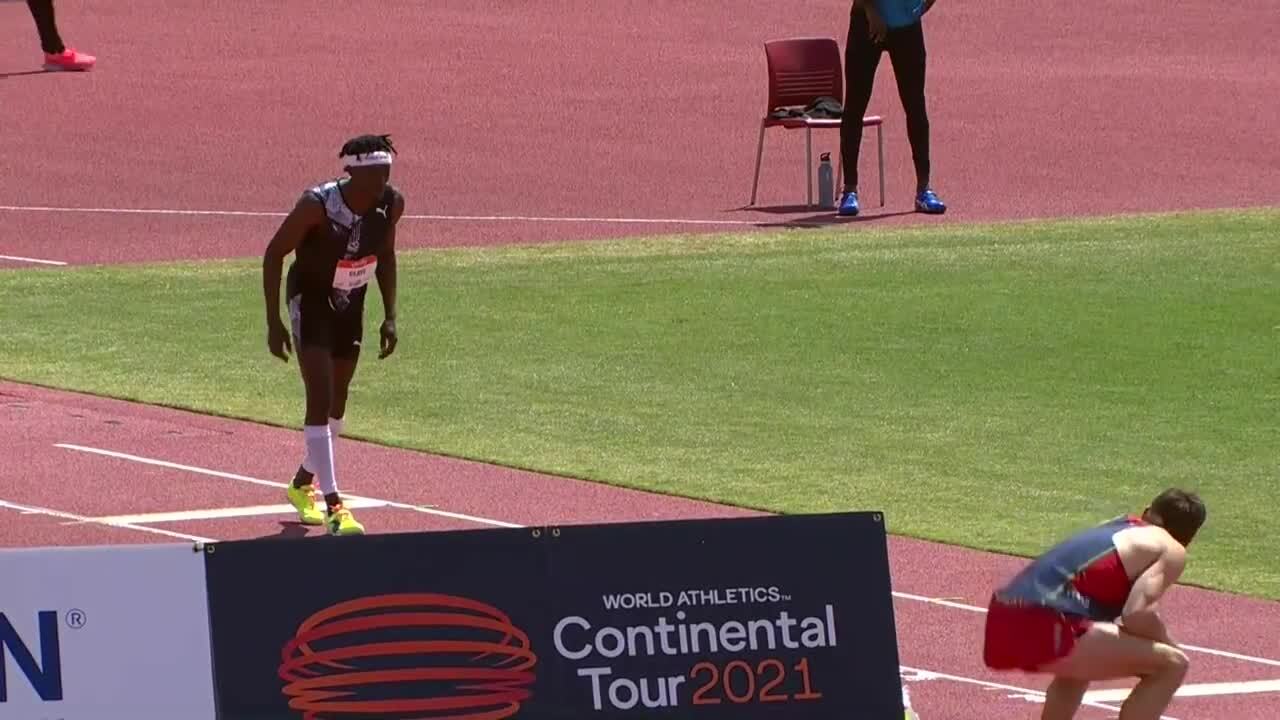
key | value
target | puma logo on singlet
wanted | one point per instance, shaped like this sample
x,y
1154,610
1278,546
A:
x,y
382,211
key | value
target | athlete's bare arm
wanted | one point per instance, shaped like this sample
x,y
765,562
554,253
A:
x,y
306,214
1140,615
386,274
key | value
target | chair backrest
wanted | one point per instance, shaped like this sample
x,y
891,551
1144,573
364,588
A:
x,y
803,69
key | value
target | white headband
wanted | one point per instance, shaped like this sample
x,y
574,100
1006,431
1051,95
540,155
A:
x,y
381,157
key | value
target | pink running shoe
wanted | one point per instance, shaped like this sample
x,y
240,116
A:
x,y
69,59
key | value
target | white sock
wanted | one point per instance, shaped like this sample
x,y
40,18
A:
x,y
319,440
335,429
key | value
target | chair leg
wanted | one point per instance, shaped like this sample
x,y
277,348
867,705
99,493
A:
x,y
880,152
839,160
808,166
755,184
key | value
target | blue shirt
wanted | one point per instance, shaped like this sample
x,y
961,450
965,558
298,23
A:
x,y
1049,581
900,13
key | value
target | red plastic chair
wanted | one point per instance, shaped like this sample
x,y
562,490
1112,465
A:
x,y
800,71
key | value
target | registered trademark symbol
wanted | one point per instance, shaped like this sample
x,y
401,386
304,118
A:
x,y
75,619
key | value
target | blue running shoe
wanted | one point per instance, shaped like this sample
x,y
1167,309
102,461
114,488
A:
x,y
849,204
928,202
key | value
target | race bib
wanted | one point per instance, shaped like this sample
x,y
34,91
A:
x,y
353,274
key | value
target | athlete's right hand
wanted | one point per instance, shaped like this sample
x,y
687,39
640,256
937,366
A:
x,y
876,26
278,339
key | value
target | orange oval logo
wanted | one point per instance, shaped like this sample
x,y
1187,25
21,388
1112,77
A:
x,y
419,655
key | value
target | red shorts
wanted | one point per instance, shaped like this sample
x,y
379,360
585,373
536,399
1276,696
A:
x,y
1027,637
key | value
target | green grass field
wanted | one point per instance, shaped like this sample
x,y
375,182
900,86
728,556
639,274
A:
x,y
990,386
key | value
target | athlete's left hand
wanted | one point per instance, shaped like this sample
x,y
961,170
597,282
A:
x,y
388,337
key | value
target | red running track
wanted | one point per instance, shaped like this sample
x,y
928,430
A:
x,y
638,110
73,460
594,111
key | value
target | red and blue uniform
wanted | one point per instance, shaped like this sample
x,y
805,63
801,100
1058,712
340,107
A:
x,y
1036,617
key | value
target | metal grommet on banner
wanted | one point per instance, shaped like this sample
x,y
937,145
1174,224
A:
x,y
877,517
555,532
209,549
537,532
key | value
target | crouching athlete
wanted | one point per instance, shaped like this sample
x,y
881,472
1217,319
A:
x,y
343,234
1086,610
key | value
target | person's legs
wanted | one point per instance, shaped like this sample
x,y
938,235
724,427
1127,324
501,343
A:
x,y
1063,698
47,26
344,368
1105,652
327,346
312,341
57,55
909,57
345,354
316,366
346,357
861,58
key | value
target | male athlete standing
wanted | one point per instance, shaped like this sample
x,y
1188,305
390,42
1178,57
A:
x,y
1086,610
343,233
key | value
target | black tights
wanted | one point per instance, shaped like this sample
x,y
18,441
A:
x,y
862,56
42,11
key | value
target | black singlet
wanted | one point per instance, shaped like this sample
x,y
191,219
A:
x,y
338,260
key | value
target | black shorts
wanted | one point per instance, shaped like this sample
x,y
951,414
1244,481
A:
x,y
316,323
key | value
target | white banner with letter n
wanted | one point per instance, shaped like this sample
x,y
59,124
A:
x,y
90,633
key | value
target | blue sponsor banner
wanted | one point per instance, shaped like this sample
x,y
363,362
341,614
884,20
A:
x,y
763,617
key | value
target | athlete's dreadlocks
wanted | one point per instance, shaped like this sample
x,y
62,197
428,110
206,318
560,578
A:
x,y
365,144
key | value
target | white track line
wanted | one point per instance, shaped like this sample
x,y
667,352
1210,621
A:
x,y
225,513
1196,690
1193,648
34,510
271,483
501,523
1020,692
939,601
38,261
456,218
